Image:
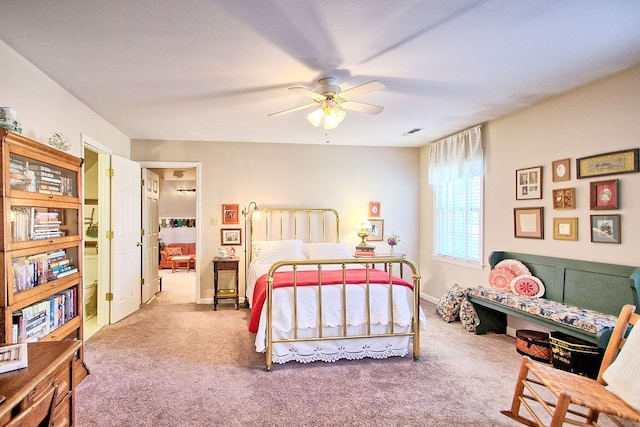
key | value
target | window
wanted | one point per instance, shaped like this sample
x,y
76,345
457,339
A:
x,y
456,175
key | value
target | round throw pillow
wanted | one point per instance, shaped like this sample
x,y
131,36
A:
x,y
527,285
514,265
500,278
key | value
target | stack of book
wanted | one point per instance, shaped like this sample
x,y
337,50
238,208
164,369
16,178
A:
x,y
47,179
46,225
365,251
60,265
19,179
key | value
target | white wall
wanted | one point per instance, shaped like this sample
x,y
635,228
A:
x,y
44,107
344,178
598,118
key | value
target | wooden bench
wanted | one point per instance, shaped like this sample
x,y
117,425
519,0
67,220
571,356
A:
x,y
598,287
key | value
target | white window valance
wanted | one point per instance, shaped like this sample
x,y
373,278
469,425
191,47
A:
x,y
450,157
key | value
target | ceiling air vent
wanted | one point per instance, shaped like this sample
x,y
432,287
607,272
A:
x,y
412,131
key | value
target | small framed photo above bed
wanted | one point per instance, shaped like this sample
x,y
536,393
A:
x,y
528,223
605,228
377,230
231,236
529,183
230,214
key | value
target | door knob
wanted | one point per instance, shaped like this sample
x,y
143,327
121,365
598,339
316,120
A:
x,y
138,244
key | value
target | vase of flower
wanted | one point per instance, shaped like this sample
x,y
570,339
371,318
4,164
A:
x,y
392,240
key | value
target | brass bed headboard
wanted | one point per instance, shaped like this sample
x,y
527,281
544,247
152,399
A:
x,y
306,224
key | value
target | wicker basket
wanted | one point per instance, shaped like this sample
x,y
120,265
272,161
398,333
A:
x,y
534,344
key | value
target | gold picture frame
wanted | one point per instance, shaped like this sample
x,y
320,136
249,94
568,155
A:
x,y
616,162
561,170
565,228
528,223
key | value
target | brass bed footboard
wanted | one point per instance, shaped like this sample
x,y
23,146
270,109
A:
x,y
388,262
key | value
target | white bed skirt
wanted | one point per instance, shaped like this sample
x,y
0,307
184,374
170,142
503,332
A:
x,y
334,350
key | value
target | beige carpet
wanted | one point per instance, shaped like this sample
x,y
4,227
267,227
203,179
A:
x,y
175,363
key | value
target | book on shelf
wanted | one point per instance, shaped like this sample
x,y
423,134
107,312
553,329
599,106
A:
x,y
13,357
36,321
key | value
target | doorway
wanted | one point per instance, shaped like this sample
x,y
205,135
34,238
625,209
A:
x,y
178,221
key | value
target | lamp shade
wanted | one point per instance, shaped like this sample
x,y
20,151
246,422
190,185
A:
x,y
329,115
363,224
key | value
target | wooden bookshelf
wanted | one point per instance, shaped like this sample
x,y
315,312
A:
x,y
41,245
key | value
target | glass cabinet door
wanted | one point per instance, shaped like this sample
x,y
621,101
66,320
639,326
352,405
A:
x,y
41,177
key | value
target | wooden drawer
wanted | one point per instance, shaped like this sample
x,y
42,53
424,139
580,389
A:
x,y
63,414
227,265
61,378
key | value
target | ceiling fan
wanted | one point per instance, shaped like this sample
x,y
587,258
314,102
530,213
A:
x,y
331,101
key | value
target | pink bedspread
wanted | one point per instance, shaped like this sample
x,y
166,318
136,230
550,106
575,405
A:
x,y
310,278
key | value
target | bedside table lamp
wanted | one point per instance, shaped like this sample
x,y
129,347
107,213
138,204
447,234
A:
x,y
363,226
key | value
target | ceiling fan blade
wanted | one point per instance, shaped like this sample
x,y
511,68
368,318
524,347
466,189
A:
x,y
361,107
307,92
362,89
291,110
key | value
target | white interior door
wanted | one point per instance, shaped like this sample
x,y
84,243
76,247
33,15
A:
x,y
126,247
151,237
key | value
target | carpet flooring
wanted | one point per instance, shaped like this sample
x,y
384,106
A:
x,y
176,363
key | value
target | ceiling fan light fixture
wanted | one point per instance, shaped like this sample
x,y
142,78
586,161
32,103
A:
x,y
329,115
315,117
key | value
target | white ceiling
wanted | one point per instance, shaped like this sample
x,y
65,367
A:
x,y
212,70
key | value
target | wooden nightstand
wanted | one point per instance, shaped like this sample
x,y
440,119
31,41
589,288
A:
x,y
225,264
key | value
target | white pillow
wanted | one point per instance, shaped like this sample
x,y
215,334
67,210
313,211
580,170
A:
x,y
327,251
623,375
268,252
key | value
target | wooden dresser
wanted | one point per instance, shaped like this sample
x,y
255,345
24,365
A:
x,y
49,362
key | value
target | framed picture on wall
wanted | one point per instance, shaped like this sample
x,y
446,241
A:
x,y
528,223
605,228
565,228
529,183
374,209
604,194
561,170
231,236
377,230
613,163
230,214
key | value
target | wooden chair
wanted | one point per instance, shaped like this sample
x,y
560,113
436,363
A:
x,y
40,413
562,396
